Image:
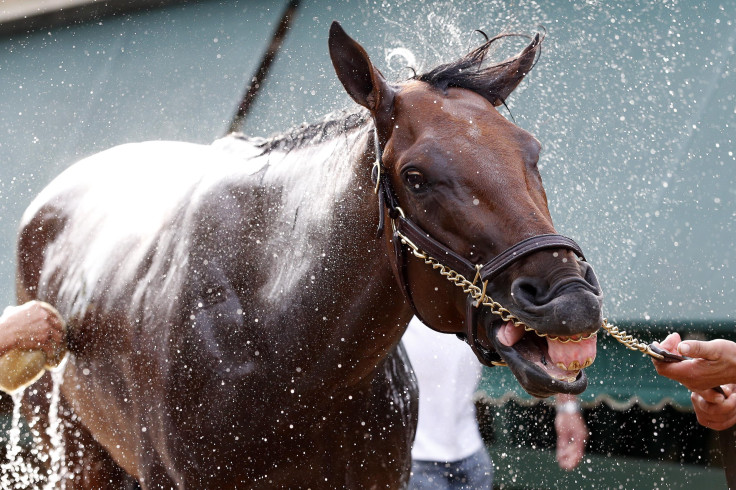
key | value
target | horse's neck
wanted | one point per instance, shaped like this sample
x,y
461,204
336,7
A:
x,y
318,185
331,271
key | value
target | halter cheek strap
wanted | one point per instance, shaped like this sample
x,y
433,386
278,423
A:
x,y
405,229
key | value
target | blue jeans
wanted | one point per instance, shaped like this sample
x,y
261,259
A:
x,y
472,473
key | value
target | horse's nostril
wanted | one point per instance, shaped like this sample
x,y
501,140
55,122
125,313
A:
x,y
571,304
527,291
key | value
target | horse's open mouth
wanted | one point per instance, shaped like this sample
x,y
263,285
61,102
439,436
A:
x,y
544,365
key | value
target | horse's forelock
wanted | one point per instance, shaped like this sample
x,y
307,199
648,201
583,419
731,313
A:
x,y
469,73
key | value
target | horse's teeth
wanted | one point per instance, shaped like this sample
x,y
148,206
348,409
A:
x,y
575,365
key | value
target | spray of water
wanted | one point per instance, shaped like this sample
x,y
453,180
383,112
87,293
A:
x,y
57,457
18,472
425,34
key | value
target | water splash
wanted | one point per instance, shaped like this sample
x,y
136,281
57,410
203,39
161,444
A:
x,y
438,32
57,456
16,472
20,472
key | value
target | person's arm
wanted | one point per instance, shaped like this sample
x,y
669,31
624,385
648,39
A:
x,y
30,326
713,363
572,432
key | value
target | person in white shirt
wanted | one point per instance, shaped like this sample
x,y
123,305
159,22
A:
x,y
448,451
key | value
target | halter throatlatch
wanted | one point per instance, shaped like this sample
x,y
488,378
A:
x,y
459,270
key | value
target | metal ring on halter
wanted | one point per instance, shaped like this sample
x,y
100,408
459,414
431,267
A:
x,y
482,294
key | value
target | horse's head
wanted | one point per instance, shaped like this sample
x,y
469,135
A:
x,y
467,177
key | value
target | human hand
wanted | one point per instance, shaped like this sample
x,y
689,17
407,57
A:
x,y
714,410
33,325
713,363
572,434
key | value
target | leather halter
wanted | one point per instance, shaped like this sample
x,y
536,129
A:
x,y
486,273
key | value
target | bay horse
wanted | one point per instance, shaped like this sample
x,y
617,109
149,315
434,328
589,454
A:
x,y
235,317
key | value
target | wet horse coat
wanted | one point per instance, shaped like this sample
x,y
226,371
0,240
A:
x,y
164,274
235,322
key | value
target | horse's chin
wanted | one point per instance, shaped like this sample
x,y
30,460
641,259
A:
x,y
536,362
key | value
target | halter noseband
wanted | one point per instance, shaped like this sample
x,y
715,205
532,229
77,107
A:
x,y
405,229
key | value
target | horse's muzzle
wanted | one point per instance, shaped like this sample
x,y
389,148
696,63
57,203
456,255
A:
x,y
570,306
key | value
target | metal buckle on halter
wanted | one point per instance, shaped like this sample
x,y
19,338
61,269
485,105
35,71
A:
x,y
376,175
377,163
393,226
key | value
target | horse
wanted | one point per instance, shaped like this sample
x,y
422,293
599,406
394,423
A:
x,y
235,310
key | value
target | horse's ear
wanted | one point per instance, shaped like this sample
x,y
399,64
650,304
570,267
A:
x,y
511,72
363,82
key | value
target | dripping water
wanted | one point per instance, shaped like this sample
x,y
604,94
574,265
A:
x,y
16,472
57,457
20,473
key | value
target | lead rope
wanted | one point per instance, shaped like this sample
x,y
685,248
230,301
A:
x,y
631,342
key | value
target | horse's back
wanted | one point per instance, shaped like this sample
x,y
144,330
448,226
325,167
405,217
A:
x,y
111,208
133,186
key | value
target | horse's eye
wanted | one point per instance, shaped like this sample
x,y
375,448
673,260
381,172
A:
x,y
415,180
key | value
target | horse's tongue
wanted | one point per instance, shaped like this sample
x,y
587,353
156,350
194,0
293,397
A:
x,y
572,355
508,334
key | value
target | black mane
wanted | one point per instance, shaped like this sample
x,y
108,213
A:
x,y
329,127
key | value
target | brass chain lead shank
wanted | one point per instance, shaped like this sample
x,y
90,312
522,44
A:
x,y
481,298
631,342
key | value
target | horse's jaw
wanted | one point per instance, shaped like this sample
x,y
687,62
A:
x,y
542,366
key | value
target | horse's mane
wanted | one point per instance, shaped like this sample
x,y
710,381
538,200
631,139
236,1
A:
x,y
469,73
329,127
